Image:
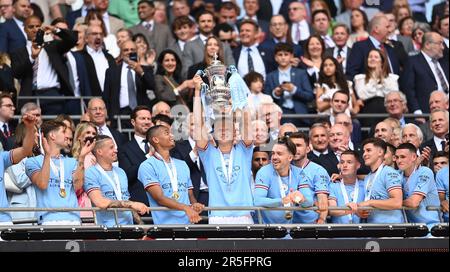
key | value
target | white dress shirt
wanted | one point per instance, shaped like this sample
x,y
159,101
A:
x,y
343,54
196,160
258,62
304,31
100,63
106,21
140,142
317,153
21,26
76,79
329,43
372,88
437,143
46,75
123,95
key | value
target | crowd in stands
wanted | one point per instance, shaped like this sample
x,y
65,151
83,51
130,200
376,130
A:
x,y
139,58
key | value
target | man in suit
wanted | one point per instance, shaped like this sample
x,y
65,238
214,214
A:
x,y
6,10
426,72
300,28
194,50
72,16
97,59
137,150
321,24
438,101
439,11
187,151
341,51
12,32
320,152
279,33
251,8
6,116
345,17
158,35
41,68
288,86
269,8
97,114
126,83
439,126
378,30
443,30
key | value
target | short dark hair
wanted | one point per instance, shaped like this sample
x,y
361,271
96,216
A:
x,y
341,25
376,142
203,12
286,141
408,146
151,132
253,77
442,19
50,126
261,149
318,12
133,114
181,21
440,154
341,92
300,135
249,21
391,147
225,27
148,2
351,152
284,47
59,20
163,118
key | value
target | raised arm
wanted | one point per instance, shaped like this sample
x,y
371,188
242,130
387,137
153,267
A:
x,y
200,133
27,147
41,178
78,175
247,135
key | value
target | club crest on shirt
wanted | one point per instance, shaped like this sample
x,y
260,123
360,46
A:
x,y
234,174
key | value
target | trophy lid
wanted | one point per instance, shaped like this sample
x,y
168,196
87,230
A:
x,y
215,60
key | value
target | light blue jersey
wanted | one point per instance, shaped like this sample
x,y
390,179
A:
x,y
388,179
50,198
5,162
153,172
95,180
268,194
236,192
318,180
442,186
421,182
337,195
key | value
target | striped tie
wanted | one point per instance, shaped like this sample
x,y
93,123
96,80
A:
x,y
440,76
35,72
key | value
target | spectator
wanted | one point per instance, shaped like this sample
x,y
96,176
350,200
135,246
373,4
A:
x,y
125,11
6,10
412,134
440,161
287,129
107,186
289,86
135,151
300,29
158,35
341,51
213,47
444,31
359,26
314,50
442,187
321,22
406,26
373,86
123,35
260,133
12,31
146,56
6,119
161,174
255,82
384,131
426,72
72,16
401,9
112,24
271,113
183,29
389,157
6,75
260,158
228,13
251,8
439,124
95,18
161,108
353,127
350,5
418,31
393,37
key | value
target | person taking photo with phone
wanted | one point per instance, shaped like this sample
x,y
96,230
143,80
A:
x,y
126,83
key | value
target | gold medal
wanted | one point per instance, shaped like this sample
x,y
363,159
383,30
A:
x,y
62,192
288,215
175,195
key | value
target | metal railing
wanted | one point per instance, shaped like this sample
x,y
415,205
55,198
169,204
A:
x,y
231,208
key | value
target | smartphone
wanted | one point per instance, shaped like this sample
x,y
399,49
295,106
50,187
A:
x,y
39,39
89,140
133,56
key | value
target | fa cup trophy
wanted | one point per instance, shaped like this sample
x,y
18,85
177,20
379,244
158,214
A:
x,y
225,92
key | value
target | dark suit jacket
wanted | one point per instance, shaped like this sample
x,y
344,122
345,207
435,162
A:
x,y
418,82
72,16
83,77
268,46
328,161
181,151
11,37
266,10
6,79
23,69
302,96
430,143
4,138
130,158
92,73
330,52
262,52
119,138
111,92
360,51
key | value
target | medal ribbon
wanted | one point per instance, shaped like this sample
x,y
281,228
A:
x,y
227,171
172,172
345,195
370,182
115,184
61,172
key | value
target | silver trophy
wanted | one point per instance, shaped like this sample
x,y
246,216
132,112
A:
x,y
217,93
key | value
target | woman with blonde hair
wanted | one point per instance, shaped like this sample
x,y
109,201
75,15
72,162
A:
x,y
85,131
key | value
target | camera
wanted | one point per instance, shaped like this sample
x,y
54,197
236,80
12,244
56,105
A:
x,y
39,39
133,56
89,140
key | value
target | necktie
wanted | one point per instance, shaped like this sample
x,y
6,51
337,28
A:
x,y
443,145
146,147
382,48
71,77
340,51
100,131
35,71
5,130
440,76
297,34
148,26
250,60
131,90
